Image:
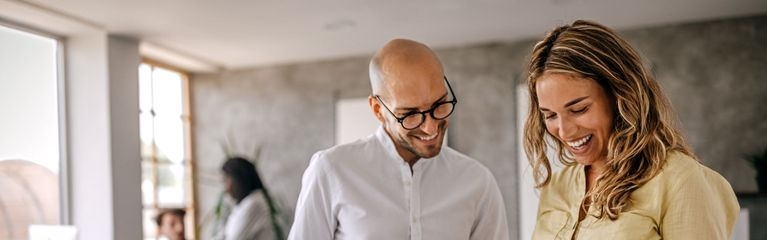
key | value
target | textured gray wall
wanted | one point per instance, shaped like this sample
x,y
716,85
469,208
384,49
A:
x,y
287,111
712,71
715,74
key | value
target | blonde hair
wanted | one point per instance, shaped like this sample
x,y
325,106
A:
x,y
643,123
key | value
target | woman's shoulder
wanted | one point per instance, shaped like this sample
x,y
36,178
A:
x,y
687,185
255,201
677,167
682,171
676,160
680,166
678,170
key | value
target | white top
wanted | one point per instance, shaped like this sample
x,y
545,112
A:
x,y
250,219
365,190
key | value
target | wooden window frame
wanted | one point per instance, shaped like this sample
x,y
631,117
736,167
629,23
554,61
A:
x,y
190,166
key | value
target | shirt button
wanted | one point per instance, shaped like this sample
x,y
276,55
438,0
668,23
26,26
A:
x,y
414,219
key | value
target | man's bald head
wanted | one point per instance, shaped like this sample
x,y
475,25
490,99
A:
x,y
400,61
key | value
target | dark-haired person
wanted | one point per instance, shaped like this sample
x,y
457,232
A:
x,y
250,217
629,174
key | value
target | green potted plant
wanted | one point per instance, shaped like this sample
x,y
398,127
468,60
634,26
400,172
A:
x,y
759,162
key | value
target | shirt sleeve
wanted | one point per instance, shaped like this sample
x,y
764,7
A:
x,y
491,217
314,219
701,206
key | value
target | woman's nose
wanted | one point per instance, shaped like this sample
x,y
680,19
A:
x,y
566,128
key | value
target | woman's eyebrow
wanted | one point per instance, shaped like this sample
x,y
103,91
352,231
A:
x,y
574,101
570,103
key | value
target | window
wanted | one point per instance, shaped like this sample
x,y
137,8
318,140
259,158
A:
x,y
30,159
354,120
167,167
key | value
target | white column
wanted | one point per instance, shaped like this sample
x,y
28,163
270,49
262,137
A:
x,y
124,60
103,141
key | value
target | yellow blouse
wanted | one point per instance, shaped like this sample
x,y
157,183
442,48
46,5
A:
x,y
686,200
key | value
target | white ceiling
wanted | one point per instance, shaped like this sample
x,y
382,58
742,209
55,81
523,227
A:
x,y
232,34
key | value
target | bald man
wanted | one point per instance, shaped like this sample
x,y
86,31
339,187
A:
x,y
401,182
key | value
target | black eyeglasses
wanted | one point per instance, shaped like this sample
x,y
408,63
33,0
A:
x,y
438,111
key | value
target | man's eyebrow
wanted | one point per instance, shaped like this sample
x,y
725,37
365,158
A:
x,y
409,109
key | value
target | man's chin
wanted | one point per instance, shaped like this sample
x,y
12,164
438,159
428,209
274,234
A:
x,y
430,152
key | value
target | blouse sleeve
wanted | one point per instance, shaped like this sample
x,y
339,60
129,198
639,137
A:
x,y
702,205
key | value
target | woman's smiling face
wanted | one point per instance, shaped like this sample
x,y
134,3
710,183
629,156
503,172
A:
x,y
578,113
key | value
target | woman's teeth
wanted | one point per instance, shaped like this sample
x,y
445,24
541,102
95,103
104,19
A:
x,y
579,142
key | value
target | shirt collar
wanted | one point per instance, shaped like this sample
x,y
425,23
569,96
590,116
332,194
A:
x,y
391,150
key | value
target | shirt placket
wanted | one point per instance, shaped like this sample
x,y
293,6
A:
x,y
573,223
411,186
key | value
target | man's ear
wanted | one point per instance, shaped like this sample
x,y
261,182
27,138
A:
x,y
375,107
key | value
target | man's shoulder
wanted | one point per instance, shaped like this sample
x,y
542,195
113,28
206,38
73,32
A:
x,y
343,153
344,150
462,161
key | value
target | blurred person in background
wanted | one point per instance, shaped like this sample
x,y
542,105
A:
x,y
170,224
250,217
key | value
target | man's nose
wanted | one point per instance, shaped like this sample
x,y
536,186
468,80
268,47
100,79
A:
x,y
430,125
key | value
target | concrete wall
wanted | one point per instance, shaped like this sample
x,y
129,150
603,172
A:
x,y
712,71
715,74
288,111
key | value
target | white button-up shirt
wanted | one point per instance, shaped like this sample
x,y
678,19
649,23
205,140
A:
x,y
365,190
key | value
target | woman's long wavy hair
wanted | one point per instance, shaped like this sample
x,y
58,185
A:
x,y
644,130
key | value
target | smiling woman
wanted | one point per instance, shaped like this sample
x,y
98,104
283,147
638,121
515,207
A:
x,y
629,172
